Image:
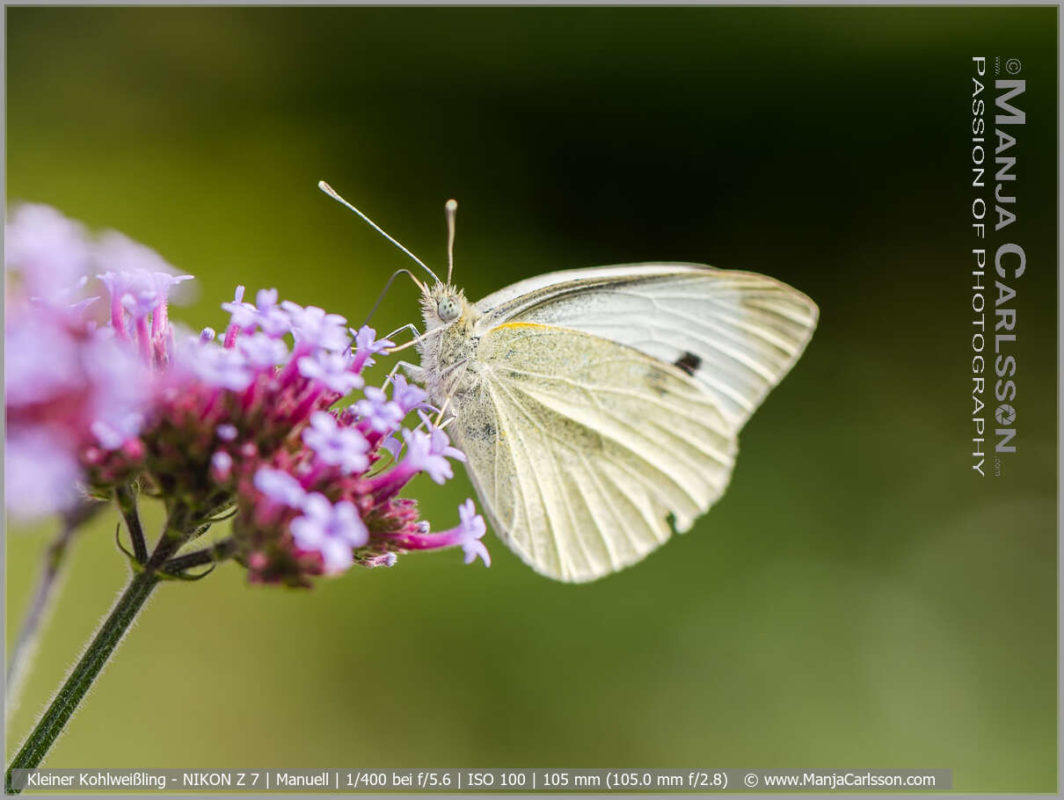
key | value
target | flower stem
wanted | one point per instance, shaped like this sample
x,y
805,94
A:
x,y
48,584
199,558
84,674
180,525
127,504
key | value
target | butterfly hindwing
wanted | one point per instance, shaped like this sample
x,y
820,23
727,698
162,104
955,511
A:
x,y
582,449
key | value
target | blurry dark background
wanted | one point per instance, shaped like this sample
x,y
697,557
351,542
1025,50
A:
x,y
858,598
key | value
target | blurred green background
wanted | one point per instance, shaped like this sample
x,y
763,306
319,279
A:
x,y
857,599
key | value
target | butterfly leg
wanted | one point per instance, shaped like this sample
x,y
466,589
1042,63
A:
x,y
417,339
415,372
413,341
440,421
410,326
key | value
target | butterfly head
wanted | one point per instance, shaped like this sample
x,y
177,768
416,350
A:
x,y
443,304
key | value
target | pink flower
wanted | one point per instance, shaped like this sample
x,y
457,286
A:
x,y
366,346
242,316
248,424
217,366
280,487
49,252
407,396
378,412
262,351
334,445
41,359
315,327
221,466
467,535
334,370
40,473
71,384
333,531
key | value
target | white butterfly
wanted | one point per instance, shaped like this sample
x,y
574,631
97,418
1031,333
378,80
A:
x,y
596,405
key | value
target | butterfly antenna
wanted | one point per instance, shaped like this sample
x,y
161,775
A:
x,y
336,196
450,209
388,285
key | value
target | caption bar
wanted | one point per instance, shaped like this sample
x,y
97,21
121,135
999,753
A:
x,y
480,780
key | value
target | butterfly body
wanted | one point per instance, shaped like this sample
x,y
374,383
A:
x,y
449,347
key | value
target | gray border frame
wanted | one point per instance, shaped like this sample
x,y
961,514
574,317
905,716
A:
x,y
602,3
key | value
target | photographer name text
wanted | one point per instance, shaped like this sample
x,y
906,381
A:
x,y
997,259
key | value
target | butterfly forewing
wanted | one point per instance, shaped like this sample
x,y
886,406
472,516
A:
x,y
737,333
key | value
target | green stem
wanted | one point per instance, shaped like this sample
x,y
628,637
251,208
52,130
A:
x,y
180,525
84,674
127,504
178,530
211,555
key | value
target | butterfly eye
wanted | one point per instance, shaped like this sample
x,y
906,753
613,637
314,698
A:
x,y
448,309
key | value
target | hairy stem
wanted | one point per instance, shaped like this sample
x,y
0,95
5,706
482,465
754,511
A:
x,y
83,675
198,558
180,526
127,504
48,585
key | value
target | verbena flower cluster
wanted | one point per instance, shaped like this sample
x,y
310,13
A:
x,y
272,419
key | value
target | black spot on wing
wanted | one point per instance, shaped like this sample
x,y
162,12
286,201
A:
x,y
688,362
